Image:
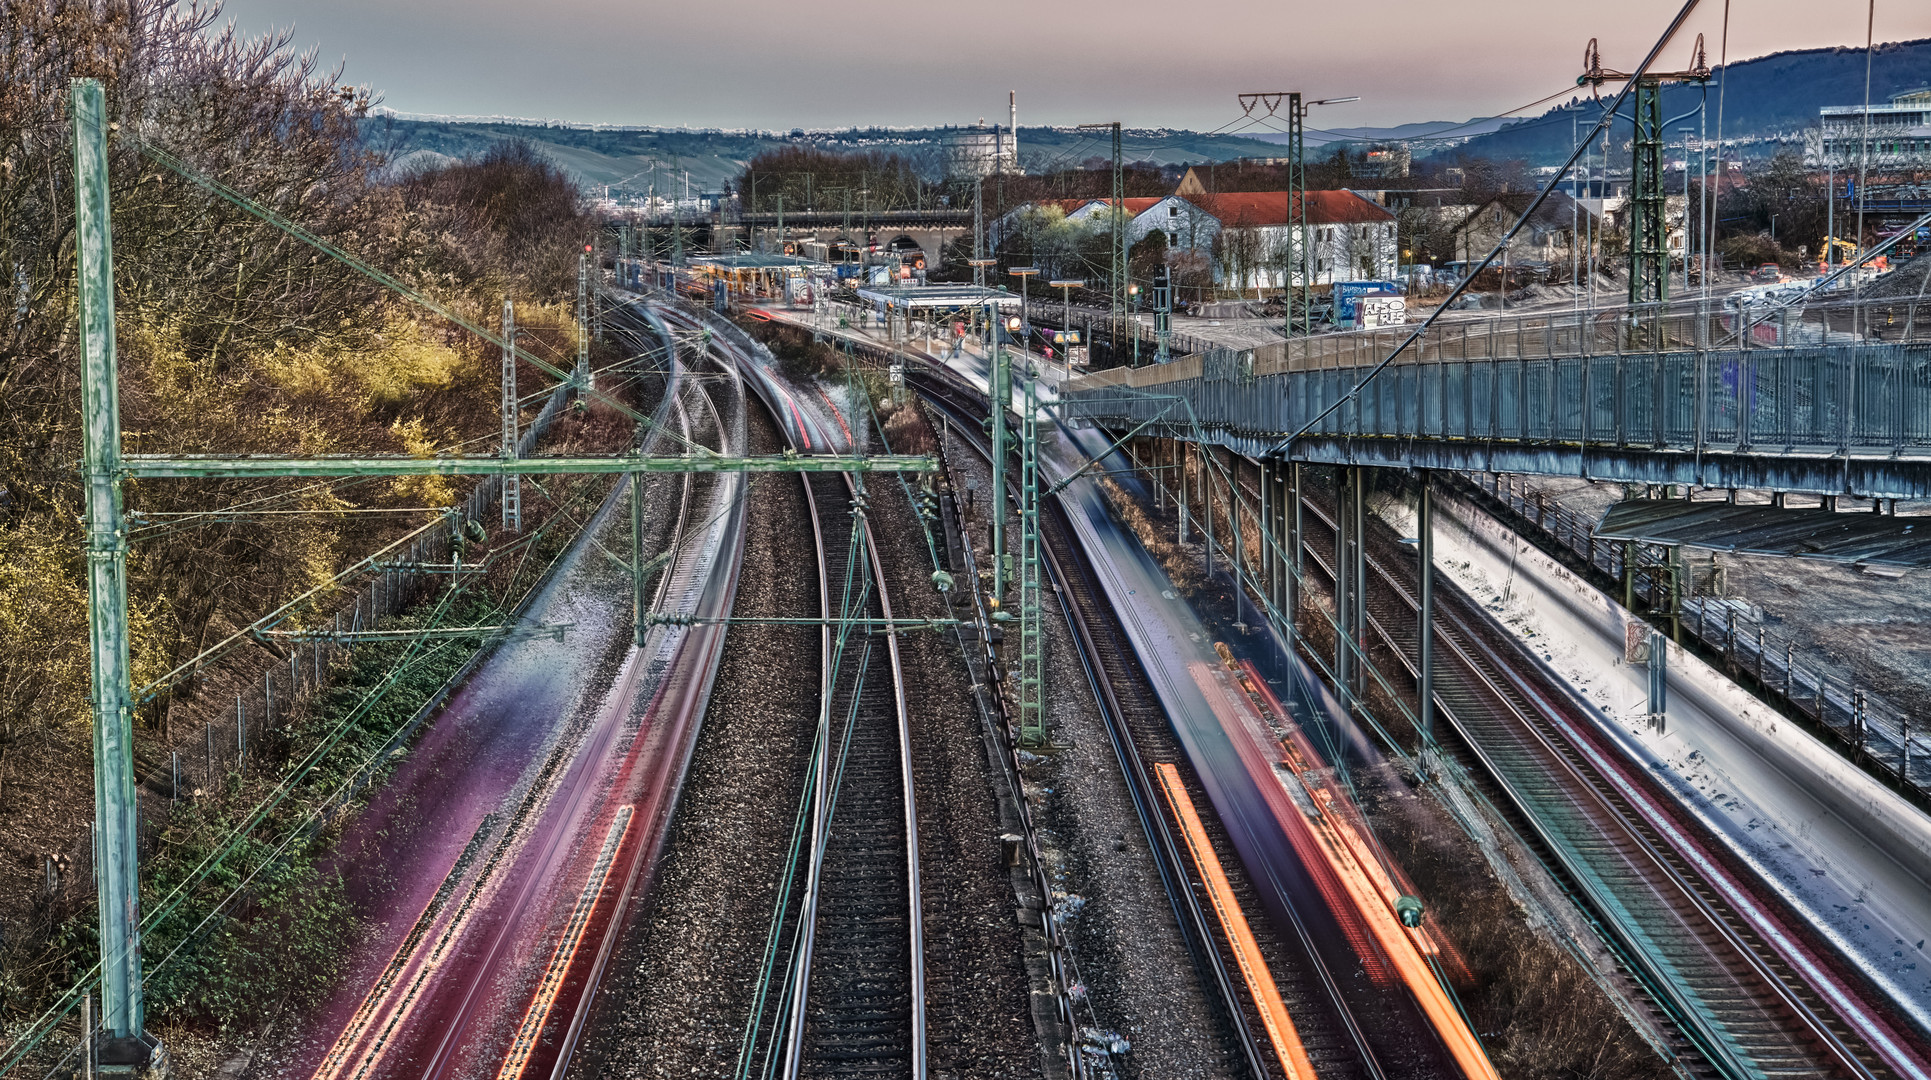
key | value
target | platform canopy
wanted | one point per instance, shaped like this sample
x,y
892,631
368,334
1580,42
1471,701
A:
x,y
1877,539
755,260
937,297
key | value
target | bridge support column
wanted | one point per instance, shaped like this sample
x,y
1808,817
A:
x,y
1674,590
1180,489
1237,535
1358,579
1291,605
1629,575
1343,570
1264,566
1157,453
1205,455
1425,652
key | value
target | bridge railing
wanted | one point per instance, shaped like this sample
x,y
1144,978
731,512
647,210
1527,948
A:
x,y
1821,399
1722,322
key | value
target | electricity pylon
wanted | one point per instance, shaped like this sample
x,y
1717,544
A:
x,y
1648,206
1032,638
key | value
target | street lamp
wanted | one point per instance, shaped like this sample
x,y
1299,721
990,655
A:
x,y
1133,302
1023,273
1066,287
979,278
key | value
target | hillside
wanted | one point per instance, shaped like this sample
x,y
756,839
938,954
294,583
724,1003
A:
x,y
1775,95
634,158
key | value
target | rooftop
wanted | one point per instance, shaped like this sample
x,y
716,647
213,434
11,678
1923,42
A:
x,y
1274,208
937,296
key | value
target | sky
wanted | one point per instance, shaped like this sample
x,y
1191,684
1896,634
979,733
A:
x,y
771,64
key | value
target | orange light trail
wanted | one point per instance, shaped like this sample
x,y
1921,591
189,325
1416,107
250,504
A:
x,y
1247,953
1372,891
538,1013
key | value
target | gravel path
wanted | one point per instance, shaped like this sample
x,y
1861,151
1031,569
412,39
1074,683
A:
x,y
1126,940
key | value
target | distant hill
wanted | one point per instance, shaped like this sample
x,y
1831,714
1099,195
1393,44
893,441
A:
x,y
634,158
1770,97
1766,98
1480,125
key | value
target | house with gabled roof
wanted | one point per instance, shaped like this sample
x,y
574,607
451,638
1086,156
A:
x,y
1244,235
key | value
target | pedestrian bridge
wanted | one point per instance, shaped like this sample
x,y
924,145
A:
x,y
1830,400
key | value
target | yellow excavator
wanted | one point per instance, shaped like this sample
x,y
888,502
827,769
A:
x,y
1839,252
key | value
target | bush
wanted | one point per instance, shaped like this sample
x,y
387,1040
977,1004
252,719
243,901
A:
x,y
1750,252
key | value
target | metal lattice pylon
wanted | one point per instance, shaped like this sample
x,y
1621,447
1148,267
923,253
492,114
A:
x,y
512,484
1032,639
1297,285
1648,222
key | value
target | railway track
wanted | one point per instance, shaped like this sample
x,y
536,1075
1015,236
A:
x,y
855,998
564,839
1686,925
1139,730
859,1006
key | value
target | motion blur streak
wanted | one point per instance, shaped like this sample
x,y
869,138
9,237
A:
x,y
1280,1027
566,951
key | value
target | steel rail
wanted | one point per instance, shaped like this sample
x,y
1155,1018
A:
x,y
799,1053
444,1057
1085,608
1585,782
1195,927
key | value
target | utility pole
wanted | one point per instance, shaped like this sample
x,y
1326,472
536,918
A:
x,y
116,815
1116,284
582,375
1032,638
512,483
637,604
1001,397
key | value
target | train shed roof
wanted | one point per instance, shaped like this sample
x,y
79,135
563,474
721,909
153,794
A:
x,y
1772,530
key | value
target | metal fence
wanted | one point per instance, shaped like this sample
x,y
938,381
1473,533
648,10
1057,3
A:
x,y
1824,400
1865,725
1737,321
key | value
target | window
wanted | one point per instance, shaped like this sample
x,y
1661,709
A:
x,y
1173,211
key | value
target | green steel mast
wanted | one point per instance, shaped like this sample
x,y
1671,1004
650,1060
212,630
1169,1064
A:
x,y
116,813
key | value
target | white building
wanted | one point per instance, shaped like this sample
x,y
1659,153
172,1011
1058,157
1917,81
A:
x,y
1900,134
1245,235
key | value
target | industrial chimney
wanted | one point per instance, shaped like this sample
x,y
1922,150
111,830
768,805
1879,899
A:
x,y
1012,105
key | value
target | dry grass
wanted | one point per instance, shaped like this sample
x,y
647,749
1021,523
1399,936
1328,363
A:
x,y
1175,559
